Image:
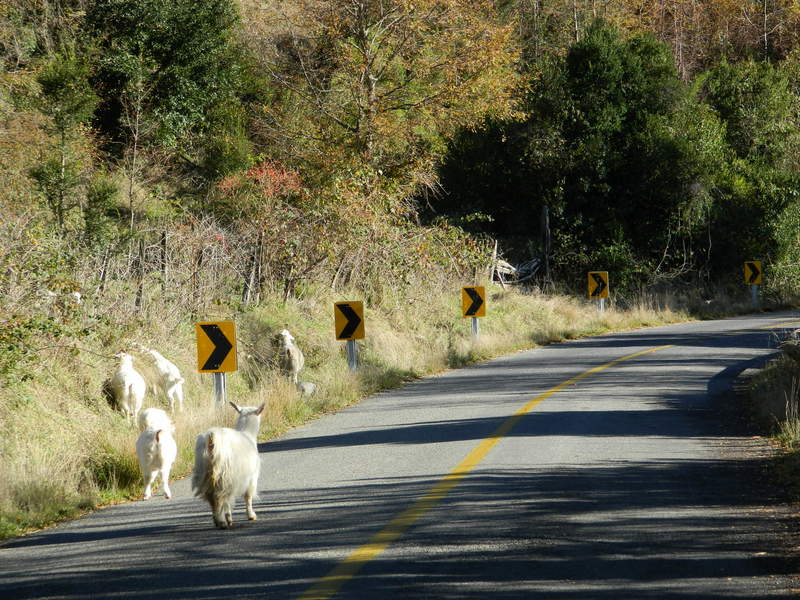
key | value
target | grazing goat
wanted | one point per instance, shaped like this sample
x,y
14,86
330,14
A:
x,y
290,358
307,389
155,418
128,386
156,450
226,465
169,377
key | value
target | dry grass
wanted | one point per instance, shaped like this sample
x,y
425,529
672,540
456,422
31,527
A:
x,y
775,396
66,451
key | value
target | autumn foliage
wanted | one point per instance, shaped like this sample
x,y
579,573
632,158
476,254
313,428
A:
x,y
250,159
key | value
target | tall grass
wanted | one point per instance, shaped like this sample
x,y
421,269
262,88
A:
x,y
775,399
789,427
65,451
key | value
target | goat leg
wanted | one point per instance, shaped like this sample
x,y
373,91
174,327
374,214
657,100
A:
x,y
165,482
229,514
148,483
248,502
216,511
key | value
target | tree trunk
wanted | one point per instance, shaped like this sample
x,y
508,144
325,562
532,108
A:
x,y
164,263
103,272
546,242
493,265
62,182
253,281
766,33
575,21
196,298
139,300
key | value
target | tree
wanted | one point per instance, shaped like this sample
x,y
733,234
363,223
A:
x,y
172,61
100,214
269,209
67,98
380,85
547,27
615,88
31,29
759,109
623,155
771,24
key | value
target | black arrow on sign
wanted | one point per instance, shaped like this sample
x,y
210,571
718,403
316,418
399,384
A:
x,y
601,285
353,321
222,346
754,273
477,301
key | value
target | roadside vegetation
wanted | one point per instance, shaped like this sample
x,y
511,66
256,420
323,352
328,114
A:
x,y
66,451
180,160
775,407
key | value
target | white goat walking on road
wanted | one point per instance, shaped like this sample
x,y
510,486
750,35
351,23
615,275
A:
x,y
128,386
290,358
156,450
227,465
169,377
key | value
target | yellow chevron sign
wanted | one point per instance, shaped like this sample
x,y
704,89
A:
x,y
597,284
473,301
753,274
348,320
216,346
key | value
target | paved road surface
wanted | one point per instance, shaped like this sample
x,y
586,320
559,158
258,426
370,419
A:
x,y
589,469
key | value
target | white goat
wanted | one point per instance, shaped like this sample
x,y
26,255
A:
x,y
155,418
169,377
290,358
128,386
156,450
226,465
307,389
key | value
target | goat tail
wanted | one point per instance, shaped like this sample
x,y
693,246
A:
x,y
203,477
212,467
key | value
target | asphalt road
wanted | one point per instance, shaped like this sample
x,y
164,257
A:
x,y
590,469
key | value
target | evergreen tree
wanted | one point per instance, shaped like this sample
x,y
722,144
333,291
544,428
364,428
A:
x,y
67,98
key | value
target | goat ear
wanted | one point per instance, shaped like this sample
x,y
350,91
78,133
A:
x,y
235,406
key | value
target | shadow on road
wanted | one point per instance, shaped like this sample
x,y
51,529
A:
x,y
662,529
557,533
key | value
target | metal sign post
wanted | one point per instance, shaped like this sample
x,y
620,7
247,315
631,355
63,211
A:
x,y
220,389
476,328
352,355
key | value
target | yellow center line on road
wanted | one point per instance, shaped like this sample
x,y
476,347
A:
x,y
350,566
347,569
779,325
